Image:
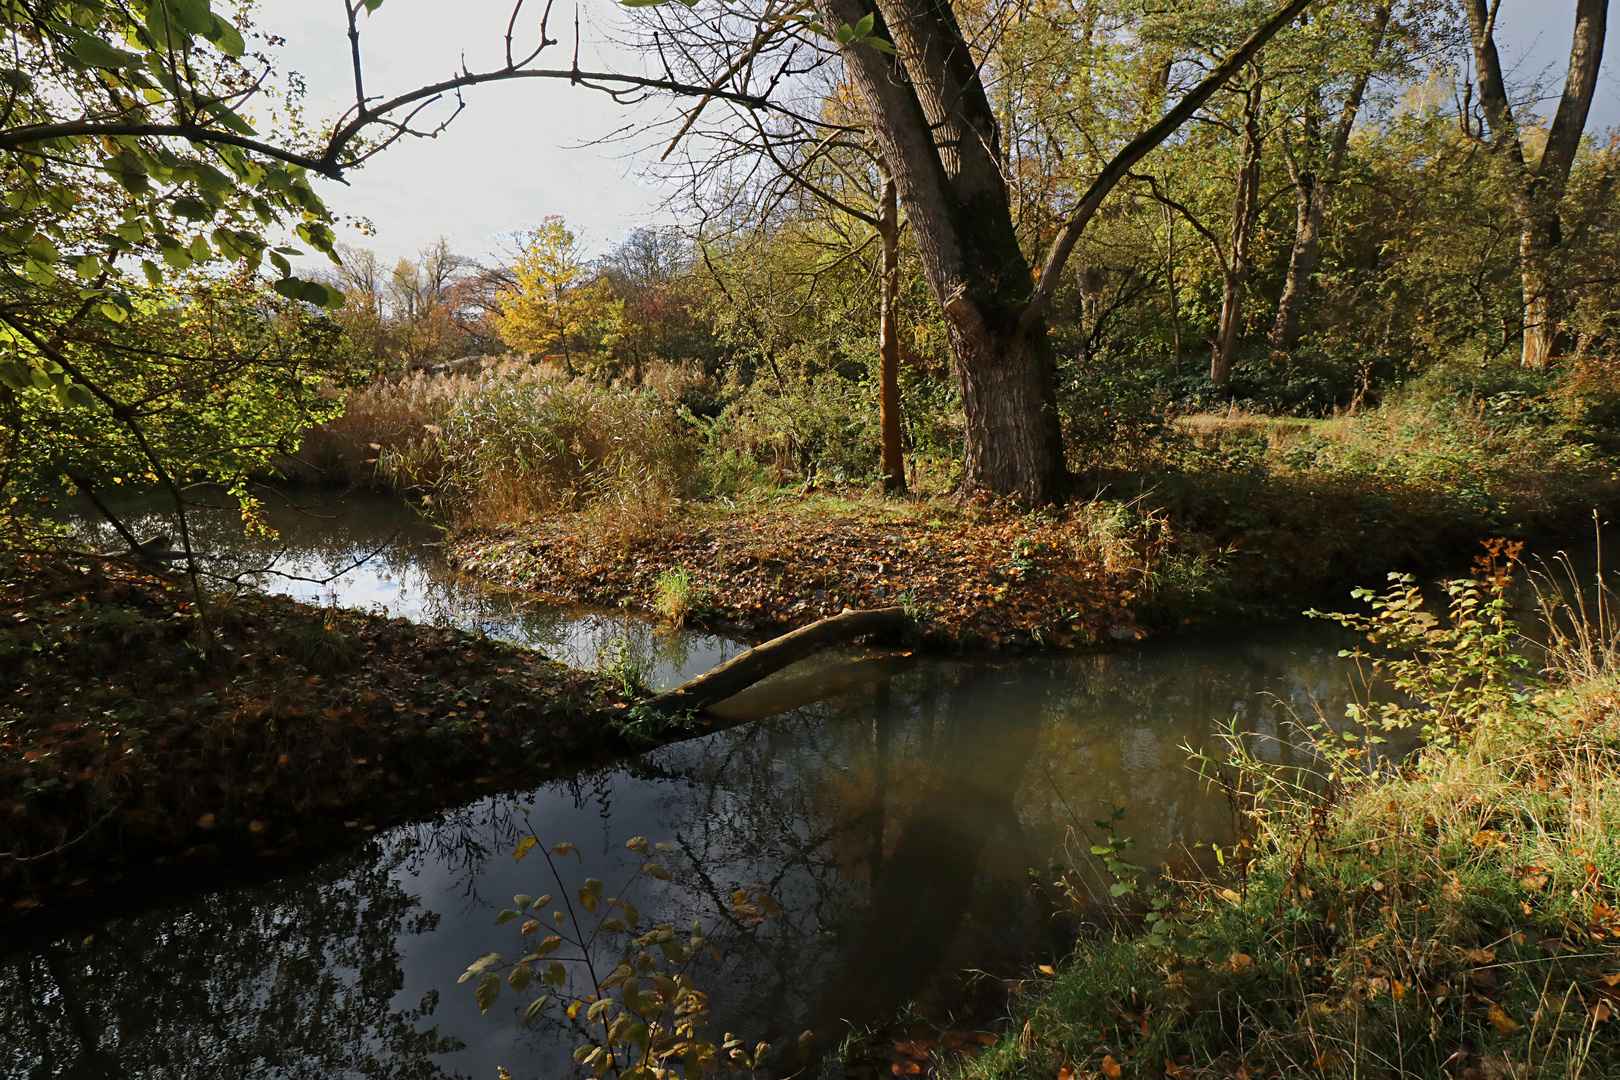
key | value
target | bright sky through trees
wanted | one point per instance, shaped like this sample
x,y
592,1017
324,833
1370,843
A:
x,y
515,155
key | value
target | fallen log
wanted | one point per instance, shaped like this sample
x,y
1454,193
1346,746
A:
x,y
747,668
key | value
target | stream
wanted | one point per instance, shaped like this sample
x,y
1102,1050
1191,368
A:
x,y
896,820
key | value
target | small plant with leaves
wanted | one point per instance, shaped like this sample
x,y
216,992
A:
x,y
620,663
625,988
676,595
1459,671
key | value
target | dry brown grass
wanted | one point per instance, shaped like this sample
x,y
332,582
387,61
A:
x,y
516,440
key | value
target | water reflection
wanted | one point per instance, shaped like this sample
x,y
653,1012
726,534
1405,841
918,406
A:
x,y
319,534
895,820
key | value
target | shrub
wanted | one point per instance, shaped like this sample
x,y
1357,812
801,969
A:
x,y
518,440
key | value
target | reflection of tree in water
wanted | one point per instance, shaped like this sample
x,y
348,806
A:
x,y
894,824
293,980
1113,731
888,834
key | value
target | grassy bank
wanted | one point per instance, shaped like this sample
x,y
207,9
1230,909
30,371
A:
x,y
1455,914
599,494
134,728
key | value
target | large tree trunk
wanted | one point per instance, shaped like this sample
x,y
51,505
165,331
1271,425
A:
x,y
1007,441
1308,212
1538,189
935,128
939,137
1245,212
1538,241
893,466
1313,193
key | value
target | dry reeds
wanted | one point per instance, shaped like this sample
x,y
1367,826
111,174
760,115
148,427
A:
x,y
517,440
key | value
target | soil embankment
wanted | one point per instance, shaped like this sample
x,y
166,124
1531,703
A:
x,y
133,727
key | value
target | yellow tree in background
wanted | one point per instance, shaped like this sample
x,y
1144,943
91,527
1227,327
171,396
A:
x,y
559,304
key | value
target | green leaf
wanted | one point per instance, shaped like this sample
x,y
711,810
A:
x,y
191,14
40,249
77,394
373,5
15,375
489,959
505,917
489,988
532,1013
522,900
166,31
117,307
223,115
226,37
844,34
97,53
519,978
864,27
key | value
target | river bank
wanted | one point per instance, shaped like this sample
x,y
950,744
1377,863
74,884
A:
x,y
1455,913
137,728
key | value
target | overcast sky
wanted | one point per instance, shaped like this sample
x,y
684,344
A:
x,y
515,154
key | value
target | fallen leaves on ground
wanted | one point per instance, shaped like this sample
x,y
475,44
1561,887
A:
x,y
129,729
976,577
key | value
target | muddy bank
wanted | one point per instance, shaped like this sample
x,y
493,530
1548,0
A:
x,y
134,728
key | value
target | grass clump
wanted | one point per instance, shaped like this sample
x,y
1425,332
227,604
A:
x,y
1450,912
517,440
676,593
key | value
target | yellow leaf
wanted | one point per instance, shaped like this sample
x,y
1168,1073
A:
x,y
1501,1021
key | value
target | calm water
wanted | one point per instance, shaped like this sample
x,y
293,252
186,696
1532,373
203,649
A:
x,y
895,820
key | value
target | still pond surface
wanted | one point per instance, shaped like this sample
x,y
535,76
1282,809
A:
x,y
895,820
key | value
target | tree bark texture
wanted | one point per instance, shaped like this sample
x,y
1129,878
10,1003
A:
x,y
1313,193
1245,212
939,136
1537,190
892,466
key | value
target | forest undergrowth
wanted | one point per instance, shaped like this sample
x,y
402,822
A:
x,y
1449,913
589,492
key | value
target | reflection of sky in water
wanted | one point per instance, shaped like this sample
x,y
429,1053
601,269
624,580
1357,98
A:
x,y
896,822
407,578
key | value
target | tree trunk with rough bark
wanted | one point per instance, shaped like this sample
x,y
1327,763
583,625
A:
x,y
940,139
935,128
1313,192
892,466
1245,212
1538,189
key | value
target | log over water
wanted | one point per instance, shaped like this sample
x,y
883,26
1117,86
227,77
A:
x,y
747,668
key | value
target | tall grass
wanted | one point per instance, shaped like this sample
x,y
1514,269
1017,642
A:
x,y
518,440
1452,912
